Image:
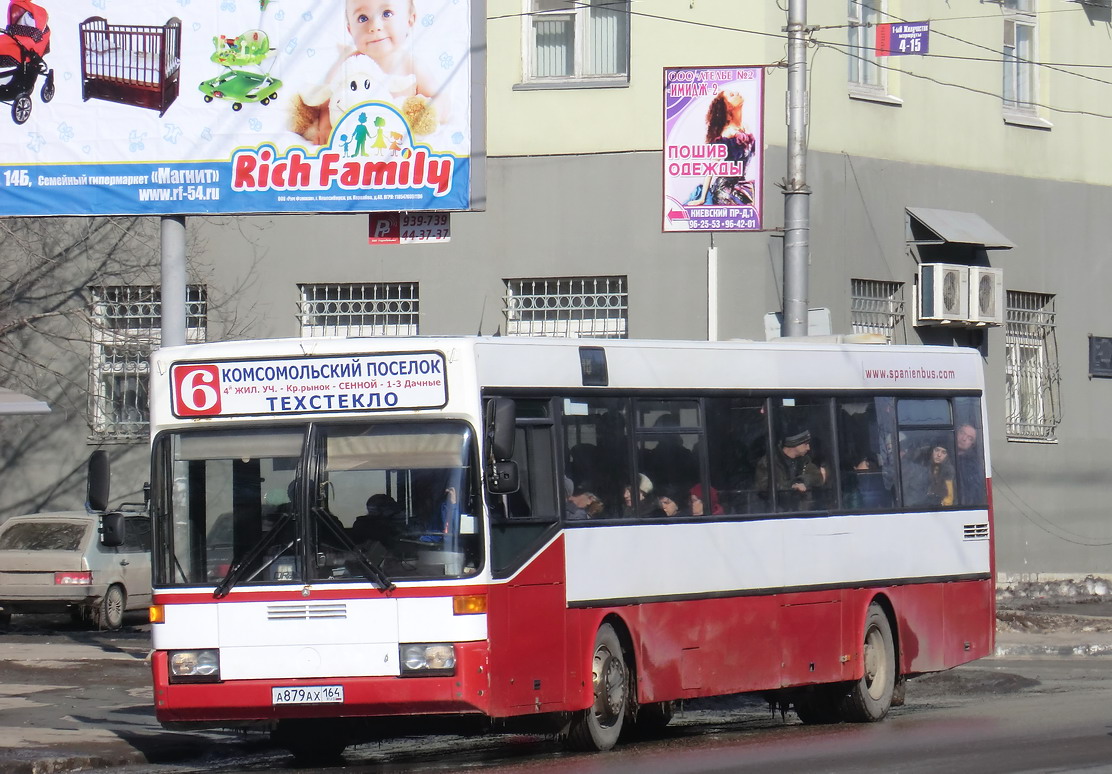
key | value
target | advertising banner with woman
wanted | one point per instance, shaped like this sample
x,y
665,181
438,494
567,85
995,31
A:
x,y
713,148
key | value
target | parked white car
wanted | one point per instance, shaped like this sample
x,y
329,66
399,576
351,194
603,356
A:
x,y
54,562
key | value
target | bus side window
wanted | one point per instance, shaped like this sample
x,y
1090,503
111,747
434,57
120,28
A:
x,y
801,468
865,451
926,438
969,453
737,437
668,443
595,436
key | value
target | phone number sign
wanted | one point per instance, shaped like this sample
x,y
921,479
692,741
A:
x,y
409,228
309,385
903,38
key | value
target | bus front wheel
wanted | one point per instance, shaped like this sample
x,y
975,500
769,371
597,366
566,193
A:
x,y
598,727
871,697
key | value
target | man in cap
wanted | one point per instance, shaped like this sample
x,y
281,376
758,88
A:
x,y
794,474
581,502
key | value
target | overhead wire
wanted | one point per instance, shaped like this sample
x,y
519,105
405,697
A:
x,y
1061,68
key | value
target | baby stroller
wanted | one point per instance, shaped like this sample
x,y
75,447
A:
x,y
23,44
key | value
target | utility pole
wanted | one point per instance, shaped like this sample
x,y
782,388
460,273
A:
x,y
173,280
797,206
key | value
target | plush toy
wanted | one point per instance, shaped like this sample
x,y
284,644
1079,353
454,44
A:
x,y
358,79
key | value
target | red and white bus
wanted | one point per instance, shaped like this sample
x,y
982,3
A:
x,y
559,534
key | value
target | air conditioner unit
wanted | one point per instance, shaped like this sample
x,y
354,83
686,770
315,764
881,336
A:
x,y
942,297
986,295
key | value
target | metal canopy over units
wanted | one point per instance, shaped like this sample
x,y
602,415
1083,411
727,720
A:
x,y
953,227
12,402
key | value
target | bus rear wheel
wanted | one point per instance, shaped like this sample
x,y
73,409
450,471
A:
x,y
598,727
870,698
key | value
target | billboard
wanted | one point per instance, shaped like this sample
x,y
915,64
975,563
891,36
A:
x,y
161,107
713,148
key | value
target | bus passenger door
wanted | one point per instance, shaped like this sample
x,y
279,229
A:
x,y
527,613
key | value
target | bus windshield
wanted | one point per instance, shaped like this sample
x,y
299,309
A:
x,y
319,503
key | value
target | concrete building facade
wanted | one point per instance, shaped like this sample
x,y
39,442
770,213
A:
x,y
986,151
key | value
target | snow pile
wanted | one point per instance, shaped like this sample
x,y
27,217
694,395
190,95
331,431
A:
x,y
1089,589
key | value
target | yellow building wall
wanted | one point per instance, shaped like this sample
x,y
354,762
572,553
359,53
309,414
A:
x,y
946,107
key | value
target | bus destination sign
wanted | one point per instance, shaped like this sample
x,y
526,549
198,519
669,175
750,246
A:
x,y
309,385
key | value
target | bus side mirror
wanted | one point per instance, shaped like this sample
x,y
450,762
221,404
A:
x,y
503,477
99,478
112,530
501,428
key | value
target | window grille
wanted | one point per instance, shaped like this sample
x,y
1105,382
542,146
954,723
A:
x,y
575,307
865,73
877,306
374,309
1019,56
1031,372
126,326
577,40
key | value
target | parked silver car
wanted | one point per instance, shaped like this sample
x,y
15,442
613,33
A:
x,y
54,562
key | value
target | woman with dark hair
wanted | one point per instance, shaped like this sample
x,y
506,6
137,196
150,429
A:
x,y
940,475
725,128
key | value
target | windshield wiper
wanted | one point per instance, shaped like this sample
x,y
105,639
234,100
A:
x,y
374,573
239,569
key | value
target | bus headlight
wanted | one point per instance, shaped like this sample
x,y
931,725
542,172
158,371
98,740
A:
x,y
194,666
428,659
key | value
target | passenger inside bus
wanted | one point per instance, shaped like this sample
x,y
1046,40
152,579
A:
x,y
670,502
581,503
864,486
970,466
930,478
699,506
644,500
378,530
670,460
795,475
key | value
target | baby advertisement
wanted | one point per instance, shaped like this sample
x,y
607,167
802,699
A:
x,y
114,107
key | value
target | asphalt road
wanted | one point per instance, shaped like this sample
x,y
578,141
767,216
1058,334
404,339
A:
x,y
77,699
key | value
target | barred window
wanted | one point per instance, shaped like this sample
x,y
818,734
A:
x,y
373,309
576,307
126,325
877,306
866,76
1031,376
577,40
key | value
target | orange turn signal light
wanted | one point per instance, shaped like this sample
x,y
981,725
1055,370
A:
x,y
469,605
156,614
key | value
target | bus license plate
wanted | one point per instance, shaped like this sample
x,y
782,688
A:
x,y
308,694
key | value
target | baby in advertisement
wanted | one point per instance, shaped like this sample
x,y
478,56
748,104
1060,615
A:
x,y
380,65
